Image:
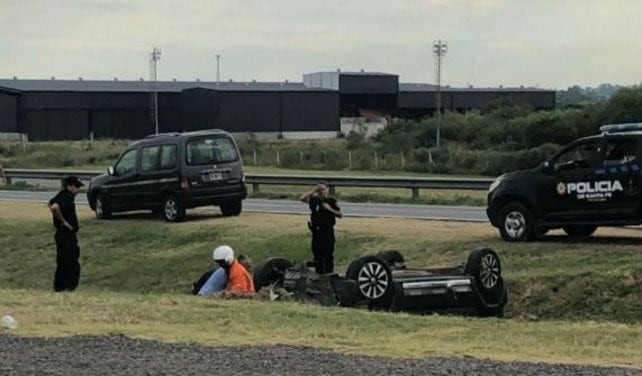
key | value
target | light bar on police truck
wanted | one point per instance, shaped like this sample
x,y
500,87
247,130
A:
x,y
613,128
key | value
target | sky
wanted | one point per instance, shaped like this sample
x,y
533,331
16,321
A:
x,y
536,43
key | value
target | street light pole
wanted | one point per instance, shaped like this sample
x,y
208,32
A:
x,y
439,49
218,68
155,56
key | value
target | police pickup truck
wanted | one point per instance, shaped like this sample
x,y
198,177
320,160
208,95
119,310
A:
x,y
592,182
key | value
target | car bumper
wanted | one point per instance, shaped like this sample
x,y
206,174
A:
x,y
213,195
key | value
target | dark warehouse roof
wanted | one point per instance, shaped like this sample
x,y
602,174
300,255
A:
x,y
412,87
147,86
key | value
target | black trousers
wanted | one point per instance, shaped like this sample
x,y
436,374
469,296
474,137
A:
x,y
323,249
67,267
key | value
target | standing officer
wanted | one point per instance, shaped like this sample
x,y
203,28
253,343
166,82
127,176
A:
x,y
323,211
63,208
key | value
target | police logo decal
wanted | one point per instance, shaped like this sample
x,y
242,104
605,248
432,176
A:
x,y
561,188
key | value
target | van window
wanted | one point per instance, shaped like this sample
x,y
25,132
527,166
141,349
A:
x,y
149,158
168,157
127,163
211,150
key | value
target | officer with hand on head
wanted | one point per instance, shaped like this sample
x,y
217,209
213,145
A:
x,y
323,211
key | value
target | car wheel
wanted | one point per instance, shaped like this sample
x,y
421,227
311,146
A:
x,y
579,231
485,267
374,279
345,292
173,211
102,208
270,272
394,259
232,208
516,223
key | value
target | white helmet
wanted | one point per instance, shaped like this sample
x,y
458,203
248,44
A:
x,y
223,253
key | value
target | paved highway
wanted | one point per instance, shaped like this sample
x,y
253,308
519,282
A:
x,y
370,210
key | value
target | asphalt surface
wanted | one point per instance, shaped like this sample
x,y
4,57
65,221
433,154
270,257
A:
x,y
120,355
370,210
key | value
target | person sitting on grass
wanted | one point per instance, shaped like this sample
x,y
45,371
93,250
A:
x,y
215,281
239,280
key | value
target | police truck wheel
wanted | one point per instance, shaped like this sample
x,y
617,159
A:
x,y
173,211
516,223
102,209
373,277
579,231
270,272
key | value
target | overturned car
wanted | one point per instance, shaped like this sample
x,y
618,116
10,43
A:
x,y
384,282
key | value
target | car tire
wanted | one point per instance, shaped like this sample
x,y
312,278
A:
x,y
516,223
394,259
270,272
494,309
345,292
579,231
232,208
374,280
485,267
102,207
173,210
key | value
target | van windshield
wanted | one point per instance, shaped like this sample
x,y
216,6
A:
x,y
211,150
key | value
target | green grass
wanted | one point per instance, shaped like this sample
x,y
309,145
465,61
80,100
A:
x,y
577,302
77,155
598,279
181,318
381,195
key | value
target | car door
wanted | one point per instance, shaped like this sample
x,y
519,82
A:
x,y
158,173
620,178
121,188
569,193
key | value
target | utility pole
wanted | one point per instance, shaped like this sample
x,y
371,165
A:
x,y
154,57
218,68
439,49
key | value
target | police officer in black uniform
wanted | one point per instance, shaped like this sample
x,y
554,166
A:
x,y
323,211
63,208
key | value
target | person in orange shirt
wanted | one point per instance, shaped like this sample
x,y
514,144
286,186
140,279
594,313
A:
x,y
239,280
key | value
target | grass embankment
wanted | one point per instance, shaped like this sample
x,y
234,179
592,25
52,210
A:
x,y
577,302
180,318
97,155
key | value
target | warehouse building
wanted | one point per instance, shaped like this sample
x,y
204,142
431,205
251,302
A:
x,y
82,109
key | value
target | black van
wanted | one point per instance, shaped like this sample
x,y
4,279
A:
x,y
171,172
594,181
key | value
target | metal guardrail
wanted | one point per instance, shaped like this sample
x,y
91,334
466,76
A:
x,y
415,184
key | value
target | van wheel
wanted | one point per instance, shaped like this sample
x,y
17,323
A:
x,y
102,208
231,208
579,231
516,223
173,211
